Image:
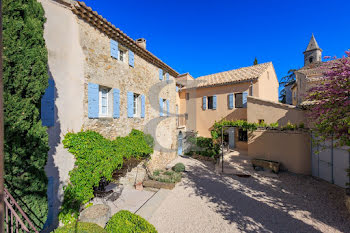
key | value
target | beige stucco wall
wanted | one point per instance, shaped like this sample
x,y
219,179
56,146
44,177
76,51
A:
x,y
100,68
268,85
291,148
66,64
202,120
272,112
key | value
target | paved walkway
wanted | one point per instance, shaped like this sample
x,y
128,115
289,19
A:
x,y
206,201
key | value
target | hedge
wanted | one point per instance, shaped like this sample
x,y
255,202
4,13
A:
x,y
96,157
81,227
127,222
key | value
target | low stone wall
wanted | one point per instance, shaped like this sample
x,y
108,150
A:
x,y
290,148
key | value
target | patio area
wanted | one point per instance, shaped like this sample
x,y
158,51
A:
x,y
206,201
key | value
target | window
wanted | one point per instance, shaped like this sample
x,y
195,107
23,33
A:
x,y
137,105
311,59
104,101
121,55
239,100
242,135
187,96
251,90
210,102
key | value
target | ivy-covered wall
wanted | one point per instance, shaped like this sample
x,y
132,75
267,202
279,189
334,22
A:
x,y
25,81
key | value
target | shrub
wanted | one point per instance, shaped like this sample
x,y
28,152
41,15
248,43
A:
x,y
274,125
81,227
25,79
301,125
207,147
179,167
96,157
127,222
166,176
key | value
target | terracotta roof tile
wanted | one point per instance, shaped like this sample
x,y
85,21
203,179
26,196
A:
x,y
231,76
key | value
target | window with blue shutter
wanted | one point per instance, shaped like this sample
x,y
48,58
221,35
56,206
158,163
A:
x,y
143,110
167,77
114,49
161,111
93,109
131,58
204,102
167,108
230,101
48,105
116,103
177,89
244,99
160,74
214,102
130,102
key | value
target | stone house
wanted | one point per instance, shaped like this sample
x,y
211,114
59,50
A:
x,y
224,95
101,80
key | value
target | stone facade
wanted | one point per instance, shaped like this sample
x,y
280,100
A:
x,y
100,68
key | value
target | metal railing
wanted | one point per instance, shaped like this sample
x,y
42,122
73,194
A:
x,y
15,218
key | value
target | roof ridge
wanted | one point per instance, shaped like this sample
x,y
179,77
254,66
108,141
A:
x,y
265,63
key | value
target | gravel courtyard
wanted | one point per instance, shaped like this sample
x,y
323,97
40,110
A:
x,y
208,202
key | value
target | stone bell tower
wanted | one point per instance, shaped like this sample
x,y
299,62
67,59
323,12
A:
x,y
313,52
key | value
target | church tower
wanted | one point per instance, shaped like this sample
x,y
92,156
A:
x,y
313,52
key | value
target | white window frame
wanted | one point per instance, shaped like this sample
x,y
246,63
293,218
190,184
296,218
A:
x,y
100,101
136,105
164,108
122,50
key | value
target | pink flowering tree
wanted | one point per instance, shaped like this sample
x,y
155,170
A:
x,y
330,111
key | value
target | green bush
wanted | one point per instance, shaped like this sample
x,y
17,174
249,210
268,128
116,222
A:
x,y
127,222
81,227
207,147
96,157
179,167
25,78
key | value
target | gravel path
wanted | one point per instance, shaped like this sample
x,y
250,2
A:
x,y
208,202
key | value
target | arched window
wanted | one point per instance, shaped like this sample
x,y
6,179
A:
x,y
311,59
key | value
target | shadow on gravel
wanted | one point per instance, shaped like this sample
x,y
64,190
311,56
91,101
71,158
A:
x,y
291,203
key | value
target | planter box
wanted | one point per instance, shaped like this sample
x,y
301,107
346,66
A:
x,y
267,164
158,185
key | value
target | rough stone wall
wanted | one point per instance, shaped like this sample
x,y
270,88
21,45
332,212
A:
x,y
143,78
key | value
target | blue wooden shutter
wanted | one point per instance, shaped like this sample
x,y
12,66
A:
x,y
177,89
161,113
130,97
116,103
48,105
167,77
214,102
143,100
244,99
160,74
204,102
131,58
230,101
93,100
114,49
167,108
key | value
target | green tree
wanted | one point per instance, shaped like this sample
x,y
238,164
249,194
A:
x,y
255,61
25,81
290,77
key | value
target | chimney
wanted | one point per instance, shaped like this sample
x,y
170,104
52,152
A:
x,y
141,42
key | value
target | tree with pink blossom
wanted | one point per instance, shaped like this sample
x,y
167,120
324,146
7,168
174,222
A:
x,y
330,111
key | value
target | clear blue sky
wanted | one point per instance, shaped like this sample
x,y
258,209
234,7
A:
x,y
205,37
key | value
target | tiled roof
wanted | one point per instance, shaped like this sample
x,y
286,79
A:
x,y
96,20
232,76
